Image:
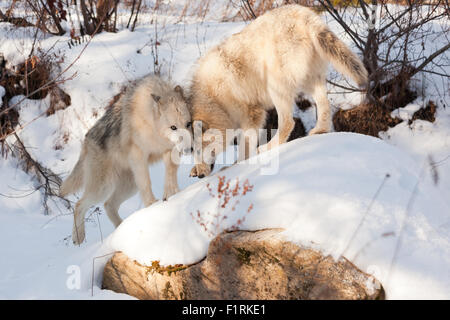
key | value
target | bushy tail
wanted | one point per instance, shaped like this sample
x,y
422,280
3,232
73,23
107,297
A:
x,y
75,180
341,57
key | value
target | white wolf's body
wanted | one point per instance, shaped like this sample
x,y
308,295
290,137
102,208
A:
x,y
281,53
135,131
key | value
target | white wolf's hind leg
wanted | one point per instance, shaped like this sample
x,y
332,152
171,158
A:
x,y
286,122
323,124
248,147
125,188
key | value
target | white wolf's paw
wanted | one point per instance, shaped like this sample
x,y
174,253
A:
x,y
318,130
170,191
263,148
78,235
200,170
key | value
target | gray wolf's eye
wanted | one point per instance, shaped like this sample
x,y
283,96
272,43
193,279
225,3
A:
x,y
189,124
173,128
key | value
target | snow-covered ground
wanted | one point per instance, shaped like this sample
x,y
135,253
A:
x,y
320,194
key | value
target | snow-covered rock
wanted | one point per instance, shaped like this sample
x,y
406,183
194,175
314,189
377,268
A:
x,y
252,265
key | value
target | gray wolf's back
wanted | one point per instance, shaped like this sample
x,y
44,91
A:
x,y
108,126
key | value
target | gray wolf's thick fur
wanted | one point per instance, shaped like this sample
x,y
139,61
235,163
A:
x,y
135,131
281,53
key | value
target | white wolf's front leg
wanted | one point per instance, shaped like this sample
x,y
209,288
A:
x,y
171,181
139,166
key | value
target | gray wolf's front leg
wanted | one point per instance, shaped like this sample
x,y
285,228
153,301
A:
x,y
171,181
201,170
139,167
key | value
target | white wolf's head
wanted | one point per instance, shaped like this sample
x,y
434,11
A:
x,y
175,122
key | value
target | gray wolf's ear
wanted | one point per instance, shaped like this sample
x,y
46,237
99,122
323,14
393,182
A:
x,y
179,90
156,98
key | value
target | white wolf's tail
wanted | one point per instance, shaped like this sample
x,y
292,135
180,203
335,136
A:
x,y
341,57
75,180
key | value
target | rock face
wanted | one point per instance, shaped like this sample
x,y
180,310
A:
x,y
245,265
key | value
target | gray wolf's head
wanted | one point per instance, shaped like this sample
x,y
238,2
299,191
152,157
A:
x,y
175,123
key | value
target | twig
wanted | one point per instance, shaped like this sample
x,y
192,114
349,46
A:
x,y
386,177
53,81
93,270
50,179
403,225
99,226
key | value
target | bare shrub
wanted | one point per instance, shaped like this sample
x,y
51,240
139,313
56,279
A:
x,y
392,43
17,21
97,16
48,15
34,73
227,195
107,14
251,9
135,9
46,180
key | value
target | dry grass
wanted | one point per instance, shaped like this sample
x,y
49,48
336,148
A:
x,y
35,73
428,113
365,119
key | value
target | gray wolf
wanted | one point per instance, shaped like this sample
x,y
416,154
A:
x,y
140,128
281,53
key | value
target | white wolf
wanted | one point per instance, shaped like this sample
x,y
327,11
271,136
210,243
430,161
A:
x,y
140,128
281,53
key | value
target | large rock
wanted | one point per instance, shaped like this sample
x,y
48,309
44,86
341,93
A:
x,y
245,265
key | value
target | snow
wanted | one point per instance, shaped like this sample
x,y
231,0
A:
x,y
34,255
423,139
320,194
322,191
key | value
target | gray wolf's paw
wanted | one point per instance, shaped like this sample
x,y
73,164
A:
x,y
200,170
78,235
